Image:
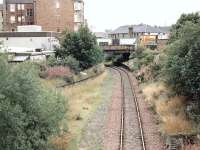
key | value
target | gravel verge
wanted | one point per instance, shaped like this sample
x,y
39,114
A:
x,y
93,132
153,139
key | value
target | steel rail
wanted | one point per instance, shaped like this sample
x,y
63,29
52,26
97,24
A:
x,y
137,108
121,138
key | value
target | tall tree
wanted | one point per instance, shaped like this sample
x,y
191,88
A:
x,y
82,46
176,30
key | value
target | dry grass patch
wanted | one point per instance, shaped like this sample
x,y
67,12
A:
x,y
153,91
171,110
173,105
173,124
83,99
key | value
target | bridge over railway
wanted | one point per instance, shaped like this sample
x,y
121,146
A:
x,y
118,49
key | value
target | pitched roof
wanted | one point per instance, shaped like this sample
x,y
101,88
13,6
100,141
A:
x,y
19,1
141,28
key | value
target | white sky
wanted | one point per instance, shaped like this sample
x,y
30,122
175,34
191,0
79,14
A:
x,y
109,14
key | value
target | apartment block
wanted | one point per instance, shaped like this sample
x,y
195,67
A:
x,y
79,19
17,13
55,15
51,15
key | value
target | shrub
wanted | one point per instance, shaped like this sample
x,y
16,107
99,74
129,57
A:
x,y
143,57
176,30
82,46
182,67
72,63
29,112
58,71
52,61
69,61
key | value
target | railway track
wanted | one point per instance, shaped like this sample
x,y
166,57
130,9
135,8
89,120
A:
x,y
131,132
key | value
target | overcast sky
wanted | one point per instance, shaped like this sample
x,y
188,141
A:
x,y
109,14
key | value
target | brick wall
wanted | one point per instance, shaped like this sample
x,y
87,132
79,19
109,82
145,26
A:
x,y
8,26
53,16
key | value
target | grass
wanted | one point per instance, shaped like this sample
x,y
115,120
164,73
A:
x,y
83,99
170,109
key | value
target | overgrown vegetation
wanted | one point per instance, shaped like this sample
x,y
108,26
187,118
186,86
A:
x,y
29,112
83,101
182,68
79,49
143,63
176,30
177,67
68,62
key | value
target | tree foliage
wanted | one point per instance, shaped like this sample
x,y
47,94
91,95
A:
x,y
82,46
29,112
182,68
143,56
176,30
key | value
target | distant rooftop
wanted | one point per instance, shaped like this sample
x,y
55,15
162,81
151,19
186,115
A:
x,y
19,1
101,34
141,28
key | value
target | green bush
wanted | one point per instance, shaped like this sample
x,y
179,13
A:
x,y
182,68
176,30
52,61
143,57
29,112
68,61
72,63
82,46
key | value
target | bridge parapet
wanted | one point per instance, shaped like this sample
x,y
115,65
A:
x,y
118,48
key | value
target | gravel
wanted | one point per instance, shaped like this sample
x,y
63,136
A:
x,y
94,130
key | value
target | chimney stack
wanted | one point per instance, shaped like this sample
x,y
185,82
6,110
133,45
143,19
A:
x,y
130,31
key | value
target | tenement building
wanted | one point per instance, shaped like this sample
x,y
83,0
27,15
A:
x,y
16,13
51,15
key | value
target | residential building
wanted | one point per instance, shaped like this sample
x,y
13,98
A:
x,y
149,36
134,31
51,15
79,19
16,13
102,39
55,15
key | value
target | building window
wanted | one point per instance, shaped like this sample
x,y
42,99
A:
x,y
77,17
12,7
20,6
12,19
30,23
23,18
29,12
19,19
78,6
57,5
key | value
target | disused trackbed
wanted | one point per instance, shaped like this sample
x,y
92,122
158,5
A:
x,y
124,75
